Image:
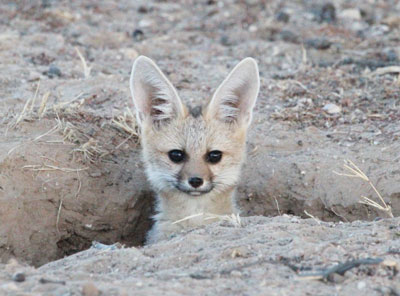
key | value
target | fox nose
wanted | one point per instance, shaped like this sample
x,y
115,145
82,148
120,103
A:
x,y
195,182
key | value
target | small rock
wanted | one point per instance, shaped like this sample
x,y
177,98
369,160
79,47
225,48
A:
x,y
318,43
282,16
95,174
351,13
145,23
332,108
53,71
289,36
142,9
89,289
327,13
361,285
253,28
236,273
18,277
336,278
138,35
225,40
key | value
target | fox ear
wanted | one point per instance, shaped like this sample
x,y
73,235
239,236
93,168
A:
x,y
234,99
153,95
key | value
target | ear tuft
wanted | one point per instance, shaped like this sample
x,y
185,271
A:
x,y
235,98
153,94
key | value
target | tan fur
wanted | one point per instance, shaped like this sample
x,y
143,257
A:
x,y
175,128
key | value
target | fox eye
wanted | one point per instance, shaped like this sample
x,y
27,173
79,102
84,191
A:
x,y
214,156
176,156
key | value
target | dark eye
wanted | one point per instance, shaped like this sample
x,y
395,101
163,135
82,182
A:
x,y
214,156
176,155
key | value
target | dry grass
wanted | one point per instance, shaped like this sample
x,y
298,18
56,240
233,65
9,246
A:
x,y
91,150
71,133
86,68
277,206
353,171
49,167
27,109
126,122
234,219
43,105
312,217
58,216
71,106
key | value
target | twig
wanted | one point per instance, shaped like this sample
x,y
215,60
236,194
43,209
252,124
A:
x,y
48,167
340,268
48,281
79,185
311,216
58,215
123,142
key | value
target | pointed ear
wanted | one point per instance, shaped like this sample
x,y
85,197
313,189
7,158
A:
x,y
234,99
153,95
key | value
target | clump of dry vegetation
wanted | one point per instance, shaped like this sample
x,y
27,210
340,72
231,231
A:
x,y
353,171
71,123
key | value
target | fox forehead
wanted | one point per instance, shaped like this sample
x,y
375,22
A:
x,y
194,135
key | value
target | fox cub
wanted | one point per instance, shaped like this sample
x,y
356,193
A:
x,y
192,158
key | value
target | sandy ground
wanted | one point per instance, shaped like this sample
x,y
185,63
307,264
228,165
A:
x,y
70,170
283,255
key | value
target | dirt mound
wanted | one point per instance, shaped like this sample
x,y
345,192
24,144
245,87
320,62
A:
x,y
266,256
57,196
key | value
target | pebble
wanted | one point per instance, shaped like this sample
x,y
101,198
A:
x,y
18,277
351,13
282,16
289,36
236,273
138,35
361,285
225,40
143,9
327,13
145,23
53,71
318,43
336,278
332,108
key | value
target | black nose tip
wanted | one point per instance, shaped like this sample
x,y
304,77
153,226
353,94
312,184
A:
x,y
195,182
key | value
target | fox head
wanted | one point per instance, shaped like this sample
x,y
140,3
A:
x,y
193,153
